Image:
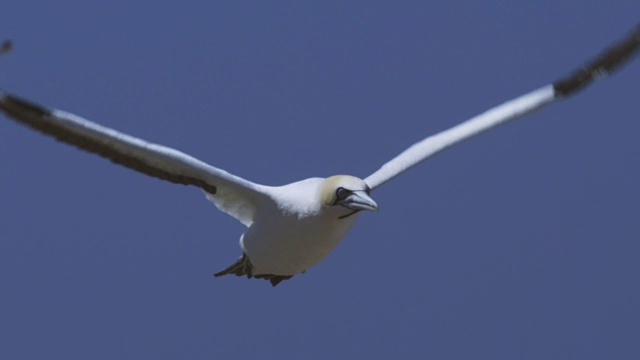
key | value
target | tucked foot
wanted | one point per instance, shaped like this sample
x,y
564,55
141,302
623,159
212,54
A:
x,y
243,267
275,279
238,268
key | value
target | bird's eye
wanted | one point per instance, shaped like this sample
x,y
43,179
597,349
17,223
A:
x,y
342,193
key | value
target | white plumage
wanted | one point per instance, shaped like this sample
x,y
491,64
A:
x,y
293,227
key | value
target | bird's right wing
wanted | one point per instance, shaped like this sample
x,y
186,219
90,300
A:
x,y
605,63
236,196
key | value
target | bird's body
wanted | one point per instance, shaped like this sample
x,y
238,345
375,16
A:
x,y
296,231
293,227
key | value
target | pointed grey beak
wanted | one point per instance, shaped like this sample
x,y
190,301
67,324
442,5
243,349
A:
x,y
359,200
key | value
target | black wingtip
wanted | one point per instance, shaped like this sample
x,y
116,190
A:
x,y
604,64
14,105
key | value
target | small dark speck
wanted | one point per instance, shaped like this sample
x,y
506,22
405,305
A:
x,y
6,46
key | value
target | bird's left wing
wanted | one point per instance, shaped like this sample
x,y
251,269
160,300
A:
x,y
605,63
234,195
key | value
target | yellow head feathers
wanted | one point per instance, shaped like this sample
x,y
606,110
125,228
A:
x,y
333,183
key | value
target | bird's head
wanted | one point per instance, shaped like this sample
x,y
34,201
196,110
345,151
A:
x,y
346,191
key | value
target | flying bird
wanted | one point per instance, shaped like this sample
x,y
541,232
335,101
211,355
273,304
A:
x,y
293,227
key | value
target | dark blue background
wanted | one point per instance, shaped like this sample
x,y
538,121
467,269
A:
x,y
520,244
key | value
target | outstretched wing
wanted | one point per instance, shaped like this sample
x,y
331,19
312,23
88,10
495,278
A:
x,y
236,196
608,61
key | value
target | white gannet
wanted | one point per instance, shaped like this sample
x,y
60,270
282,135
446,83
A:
x,y
293,227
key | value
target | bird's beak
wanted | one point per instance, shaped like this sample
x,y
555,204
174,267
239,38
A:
x,y
359,200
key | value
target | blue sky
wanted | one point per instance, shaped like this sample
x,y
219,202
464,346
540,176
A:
x,y
519,244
